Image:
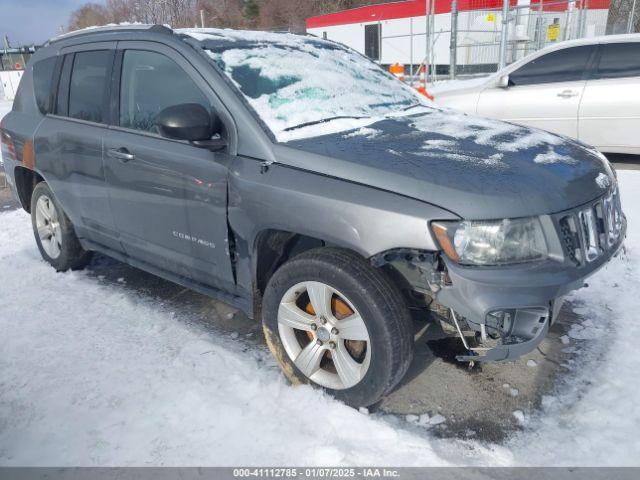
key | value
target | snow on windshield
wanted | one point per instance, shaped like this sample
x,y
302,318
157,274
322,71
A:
x,y
291,81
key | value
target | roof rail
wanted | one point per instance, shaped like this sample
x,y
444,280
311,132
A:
x,y
122,27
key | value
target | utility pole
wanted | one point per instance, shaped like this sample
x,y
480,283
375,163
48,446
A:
x,y
427,36
631,24
453,42
504,34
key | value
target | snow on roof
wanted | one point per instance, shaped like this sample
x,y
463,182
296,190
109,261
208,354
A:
x,y
109,27
231,35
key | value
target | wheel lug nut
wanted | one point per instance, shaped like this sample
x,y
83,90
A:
x,y
332,345
314,327
319,343
335,331
323,320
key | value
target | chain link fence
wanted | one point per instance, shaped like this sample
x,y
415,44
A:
x,y
481,36
477,35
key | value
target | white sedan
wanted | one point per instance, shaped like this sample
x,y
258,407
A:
x,y
587,89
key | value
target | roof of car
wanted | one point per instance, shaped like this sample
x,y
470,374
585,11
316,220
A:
x,y
113,27
206,36
628,37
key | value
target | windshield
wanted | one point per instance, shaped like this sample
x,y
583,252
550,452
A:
x,y
303,87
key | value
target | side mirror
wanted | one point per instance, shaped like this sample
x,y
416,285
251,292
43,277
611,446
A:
x,y
191,122
188,121
503,81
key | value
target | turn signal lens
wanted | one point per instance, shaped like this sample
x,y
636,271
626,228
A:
x,y
440,231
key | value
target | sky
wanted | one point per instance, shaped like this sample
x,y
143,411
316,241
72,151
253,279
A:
x,y
34,21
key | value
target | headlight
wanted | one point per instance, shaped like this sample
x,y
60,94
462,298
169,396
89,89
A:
x,y
492,242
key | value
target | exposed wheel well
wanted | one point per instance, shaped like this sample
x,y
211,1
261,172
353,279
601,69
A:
x,y
272,248
26,180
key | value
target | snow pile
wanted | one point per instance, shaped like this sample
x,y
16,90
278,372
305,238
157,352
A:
x,y
92,374
595,418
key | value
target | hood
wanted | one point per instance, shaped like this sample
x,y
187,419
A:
x,y
474,167
459,86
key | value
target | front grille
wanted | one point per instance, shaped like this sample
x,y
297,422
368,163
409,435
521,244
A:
x,y
570,238
588,232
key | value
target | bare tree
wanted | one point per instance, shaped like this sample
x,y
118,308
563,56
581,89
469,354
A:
x,y
264,14
89,15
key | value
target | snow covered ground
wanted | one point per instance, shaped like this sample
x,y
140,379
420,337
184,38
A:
x,y
92,374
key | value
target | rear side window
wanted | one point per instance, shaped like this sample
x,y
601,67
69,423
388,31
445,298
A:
x,y
618,60
564,65
88,87
43,83
150,83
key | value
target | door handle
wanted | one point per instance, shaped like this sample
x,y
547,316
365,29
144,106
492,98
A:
x,y
121,154
568,94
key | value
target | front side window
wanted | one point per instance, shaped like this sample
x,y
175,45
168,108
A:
x,y
564,65
619,60
42,83
88,87
150,83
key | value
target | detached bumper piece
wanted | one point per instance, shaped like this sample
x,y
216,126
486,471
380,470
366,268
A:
x,y
513,333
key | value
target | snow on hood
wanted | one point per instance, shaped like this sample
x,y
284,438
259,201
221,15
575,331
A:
x,y
475,167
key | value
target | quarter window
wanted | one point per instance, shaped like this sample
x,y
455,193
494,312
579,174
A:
x,y
42,83
619,60
150,83
88,88
566,65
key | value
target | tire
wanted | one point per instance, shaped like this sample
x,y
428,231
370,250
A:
x,y
57,240
363,370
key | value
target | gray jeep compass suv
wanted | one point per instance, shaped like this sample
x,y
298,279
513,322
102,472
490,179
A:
x,y
296,180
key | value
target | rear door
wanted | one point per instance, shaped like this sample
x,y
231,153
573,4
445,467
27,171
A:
x,y
69,141
609,117
543,93
169,198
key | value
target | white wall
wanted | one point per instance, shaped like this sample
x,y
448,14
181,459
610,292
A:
x,y
393,49
399,49
10,80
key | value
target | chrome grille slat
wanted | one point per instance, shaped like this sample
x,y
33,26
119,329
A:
x,y
588,232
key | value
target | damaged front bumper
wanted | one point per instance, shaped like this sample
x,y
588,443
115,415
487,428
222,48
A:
x,y
510,308
517,304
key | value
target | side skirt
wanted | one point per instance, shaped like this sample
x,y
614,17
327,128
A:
x,y
242,303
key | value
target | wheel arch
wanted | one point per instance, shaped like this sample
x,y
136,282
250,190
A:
x,y
26,180
272,247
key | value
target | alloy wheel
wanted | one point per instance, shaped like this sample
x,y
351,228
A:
x,y
324,335
48,225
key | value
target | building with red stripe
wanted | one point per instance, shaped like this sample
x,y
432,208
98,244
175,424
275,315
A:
x,y
395,32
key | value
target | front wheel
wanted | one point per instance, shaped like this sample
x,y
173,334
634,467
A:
x,y
334,321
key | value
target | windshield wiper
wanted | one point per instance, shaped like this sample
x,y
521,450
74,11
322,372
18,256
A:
x,y
413,105
324,120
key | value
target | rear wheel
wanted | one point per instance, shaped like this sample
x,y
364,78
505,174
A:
x,y
55,236
334,321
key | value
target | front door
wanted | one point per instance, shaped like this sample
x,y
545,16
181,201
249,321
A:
x,y
543,93
609,116
169,198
